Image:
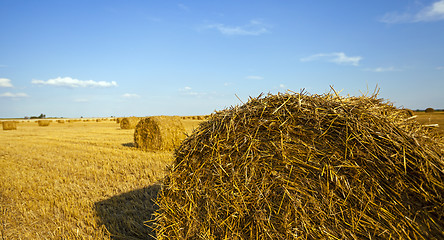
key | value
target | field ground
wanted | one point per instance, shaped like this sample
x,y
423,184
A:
x,y
84,180
432,118
80,180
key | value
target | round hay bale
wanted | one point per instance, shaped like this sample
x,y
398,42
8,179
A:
x,y
61,121
300,166
9,125
118,120
429,110
129,122
43,123
160,133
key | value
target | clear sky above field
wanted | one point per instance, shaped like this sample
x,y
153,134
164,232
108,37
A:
x,y
122,58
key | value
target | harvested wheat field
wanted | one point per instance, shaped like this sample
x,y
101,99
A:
x,y
301,166
78,180
434,119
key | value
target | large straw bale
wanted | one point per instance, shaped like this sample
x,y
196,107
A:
x,y
9,125
129,122
163,133
44,123
301,166
409,112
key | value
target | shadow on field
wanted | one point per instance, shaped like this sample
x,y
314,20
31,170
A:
x,y
130,144
124,215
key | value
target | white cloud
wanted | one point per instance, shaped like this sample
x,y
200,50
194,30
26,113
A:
x,y
253,28
430,13
13,95
74,83
281,85
130,95
440,68
336,57
435,12
186,89
254,77
382,69
4,82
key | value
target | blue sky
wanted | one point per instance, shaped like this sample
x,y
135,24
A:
x,y
142,58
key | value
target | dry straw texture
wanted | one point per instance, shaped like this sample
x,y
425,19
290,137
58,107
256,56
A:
x,y
9,125
300,166
162,133
44,123
129,122
409,112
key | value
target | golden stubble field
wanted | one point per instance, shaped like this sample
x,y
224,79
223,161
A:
x,y
84,180
80,180
432,118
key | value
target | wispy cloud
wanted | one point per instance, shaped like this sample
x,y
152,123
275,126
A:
x,y
130,95
13,95
383,69
336,57
254,77
4,82
440,68
281,85
188,91
253,28
74,83
430,13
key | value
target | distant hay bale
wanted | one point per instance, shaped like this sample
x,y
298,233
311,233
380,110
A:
x,y
163,133
300,166
9,125
61,121
129,122
43,123
118,120
429,110
98,120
